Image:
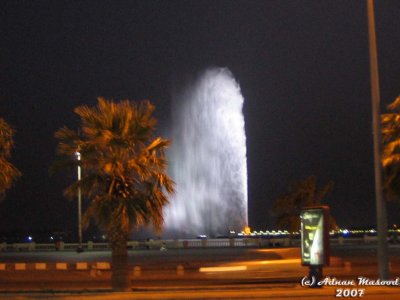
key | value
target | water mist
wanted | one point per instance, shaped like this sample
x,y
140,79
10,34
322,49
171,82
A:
x,y
208,158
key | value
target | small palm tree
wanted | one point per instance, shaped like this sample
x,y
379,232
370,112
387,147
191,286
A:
x,y
123,173
391,148
8,173
303,193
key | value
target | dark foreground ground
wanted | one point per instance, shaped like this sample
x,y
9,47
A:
x,y
212,273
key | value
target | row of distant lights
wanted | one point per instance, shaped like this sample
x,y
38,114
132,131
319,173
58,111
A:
x,y
332,232
259,233
279,232
347,232
29,238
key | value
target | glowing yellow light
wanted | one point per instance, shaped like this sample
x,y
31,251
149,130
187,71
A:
x,y
247,230
223,269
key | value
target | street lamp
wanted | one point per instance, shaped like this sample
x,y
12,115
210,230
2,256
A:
x,y
80,248
383,260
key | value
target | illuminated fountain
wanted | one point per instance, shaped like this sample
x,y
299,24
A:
x,y
208,158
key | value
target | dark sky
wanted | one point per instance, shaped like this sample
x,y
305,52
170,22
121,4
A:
x,y
303,68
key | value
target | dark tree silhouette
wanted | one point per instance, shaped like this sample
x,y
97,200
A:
x,y
300,194
8,173
123,173
391,149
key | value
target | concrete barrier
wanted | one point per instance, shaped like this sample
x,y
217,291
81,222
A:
x,y
43,247
103,266
20,266
99,246
180,270
136,271
40,266
81,266
94,271
370,239
133,244
247,241
61,266
176,244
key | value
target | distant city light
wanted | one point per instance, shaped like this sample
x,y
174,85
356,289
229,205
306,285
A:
x,y
247,230
230,234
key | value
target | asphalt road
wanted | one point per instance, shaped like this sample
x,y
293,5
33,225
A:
x,y
282,291
200,269
195,258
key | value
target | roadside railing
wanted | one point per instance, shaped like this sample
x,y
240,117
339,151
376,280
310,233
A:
x,y
185,243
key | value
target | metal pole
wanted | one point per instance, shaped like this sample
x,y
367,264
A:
x,y
80,248
381,214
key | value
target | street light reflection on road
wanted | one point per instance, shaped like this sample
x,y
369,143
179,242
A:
x,y
292,263
281,261
223,269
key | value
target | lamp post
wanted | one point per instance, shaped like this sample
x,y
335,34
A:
x,y
80,248
376,123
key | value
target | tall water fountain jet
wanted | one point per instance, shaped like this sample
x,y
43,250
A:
x,y
208,158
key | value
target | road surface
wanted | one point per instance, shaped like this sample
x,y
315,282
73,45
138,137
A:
x,y
192,272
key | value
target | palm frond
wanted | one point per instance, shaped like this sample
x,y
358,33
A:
x,y
391,148
6,139
395,105
123,166
8,172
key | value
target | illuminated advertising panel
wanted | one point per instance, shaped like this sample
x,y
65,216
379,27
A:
x,y
315,236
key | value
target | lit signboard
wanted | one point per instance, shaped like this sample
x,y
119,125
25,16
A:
x,y
315,236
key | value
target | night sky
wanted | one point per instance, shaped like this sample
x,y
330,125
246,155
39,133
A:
x,y
303,67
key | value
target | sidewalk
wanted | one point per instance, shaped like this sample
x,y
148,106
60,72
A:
x,y
283,291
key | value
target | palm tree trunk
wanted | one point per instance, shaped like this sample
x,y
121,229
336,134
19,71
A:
x,y
120,280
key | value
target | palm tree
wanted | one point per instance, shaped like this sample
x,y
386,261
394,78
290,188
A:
x,y
8,173
391,149
303,193
124,173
